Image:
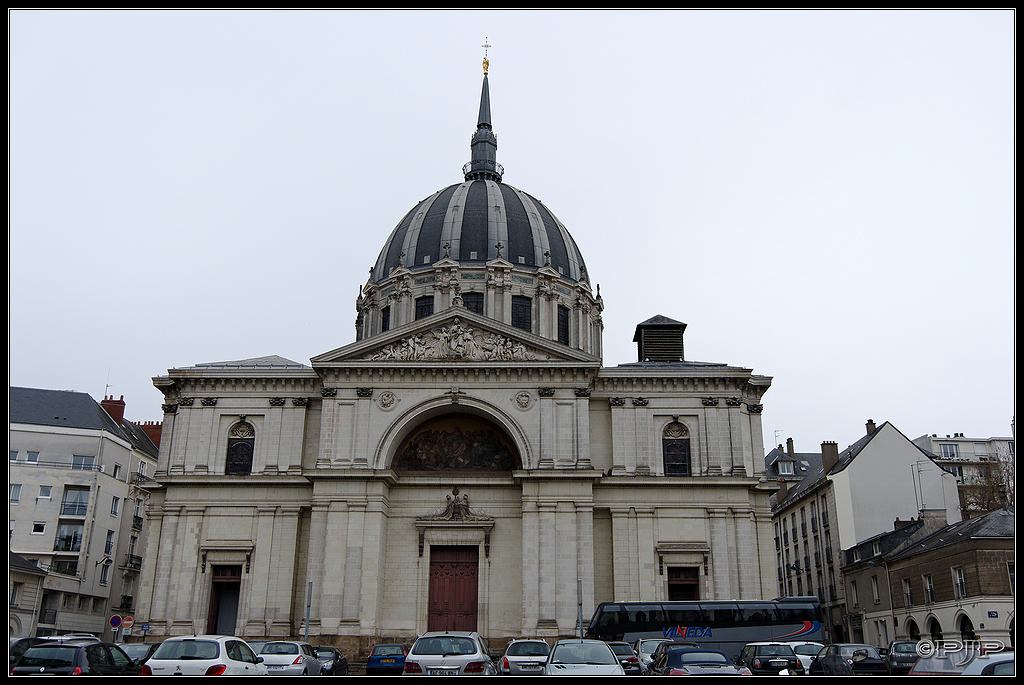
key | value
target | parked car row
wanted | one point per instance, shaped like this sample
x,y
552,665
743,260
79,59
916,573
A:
x,y
184,655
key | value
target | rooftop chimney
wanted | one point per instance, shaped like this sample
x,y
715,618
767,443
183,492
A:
x,y
783,490
829,455
114,408
789,448
870,425
153,430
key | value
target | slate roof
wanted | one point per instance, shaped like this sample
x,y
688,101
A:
x,y
993,525
71,409
804,463
816,475
19,563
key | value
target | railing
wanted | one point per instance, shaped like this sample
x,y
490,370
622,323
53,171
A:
x,y
137,522
68,543
132,562
73,509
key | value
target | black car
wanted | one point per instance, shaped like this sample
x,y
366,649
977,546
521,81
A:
x,y
848,659
75,658
18,645
332,660
769,658
900,657
662,648
695,661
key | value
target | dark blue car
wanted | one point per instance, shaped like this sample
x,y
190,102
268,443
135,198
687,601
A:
x,y
386,660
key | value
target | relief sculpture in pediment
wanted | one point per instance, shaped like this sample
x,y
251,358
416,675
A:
x,y
455,341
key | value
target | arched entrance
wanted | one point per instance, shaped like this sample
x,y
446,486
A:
x,y
457,441
454,539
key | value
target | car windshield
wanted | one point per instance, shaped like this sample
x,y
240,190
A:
x,y
849,651
697,658
326,653
775,650
582,653
527,649
279,648
622,649
387,650
807,650
56,656
187,649
446,644
905,647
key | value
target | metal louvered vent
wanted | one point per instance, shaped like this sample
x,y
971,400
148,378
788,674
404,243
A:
x,y
661,346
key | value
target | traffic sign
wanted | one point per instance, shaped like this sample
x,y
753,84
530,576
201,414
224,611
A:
x,y
115,621
127,621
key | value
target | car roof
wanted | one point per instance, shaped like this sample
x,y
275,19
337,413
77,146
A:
x,y
455,633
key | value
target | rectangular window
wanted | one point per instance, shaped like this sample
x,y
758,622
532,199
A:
x,y
82,463
385,319
929,589
33,457
908,594
875,597
38,527
76,502
44,491
949,450
108,545
15,593
563,325
474,302
69,537
424,306
115,506
15,490
66,567
14,455
522,313
959,584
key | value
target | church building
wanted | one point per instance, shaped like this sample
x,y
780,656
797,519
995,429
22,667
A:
x,y
467,463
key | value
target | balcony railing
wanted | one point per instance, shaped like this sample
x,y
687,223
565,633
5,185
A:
x,y
132,562
137,522
73,509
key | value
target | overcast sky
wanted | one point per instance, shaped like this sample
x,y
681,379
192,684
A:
x,y
824,197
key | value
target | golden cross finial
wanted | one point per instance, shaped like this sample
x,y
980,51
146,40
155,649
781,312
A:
x,y
485,46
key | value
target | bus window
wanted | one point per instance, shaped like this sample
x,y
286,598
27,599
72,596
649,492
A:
x,y
684,614
638,618
754,613
721,614
793,612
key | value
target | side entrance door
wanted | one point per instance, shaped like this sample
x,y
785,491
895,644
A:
x,y
453,588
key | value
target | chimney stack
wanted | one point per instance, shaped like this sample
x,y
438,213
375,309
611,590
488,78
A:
x,y
870,425
829,456
153,429
114,408
783,490
790,450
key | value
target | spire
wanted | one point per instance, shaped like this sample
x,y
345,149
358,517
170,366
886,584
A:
x,y
483,163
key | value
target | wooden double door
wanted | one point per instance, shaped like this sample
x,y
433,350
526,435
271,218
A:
x,y
452,602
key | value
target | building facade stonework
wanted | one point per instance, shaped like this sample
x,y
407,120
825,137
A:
x,y
467,462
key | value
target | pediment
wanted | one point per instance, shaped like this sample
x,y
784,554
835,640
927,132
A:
x,y
453,336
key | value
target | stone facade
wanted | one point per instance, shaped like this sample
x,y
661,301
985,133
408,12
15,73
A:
x,y
467,462
325,515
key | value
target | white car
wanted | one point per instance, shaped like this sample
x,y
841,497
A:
x,y
453,652
805,651
284,657
582,657
204,655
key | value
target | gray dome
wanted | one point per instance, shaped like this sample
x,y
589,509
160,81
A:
x,y
480,220
467,222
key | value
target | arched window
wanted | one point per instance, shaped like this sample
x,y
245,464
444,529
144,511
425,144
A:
x,y
241,441
675,447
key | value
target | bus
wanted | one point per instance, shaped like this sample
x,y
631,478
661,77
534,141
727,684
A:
x,y
722,625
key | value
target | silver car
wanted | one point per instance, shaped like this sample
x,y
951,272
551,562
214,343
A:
x,y
524,657
449,653
290,658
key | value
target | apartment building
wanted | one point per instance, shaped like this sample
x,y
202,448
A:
x,y
75,509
